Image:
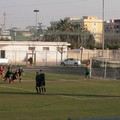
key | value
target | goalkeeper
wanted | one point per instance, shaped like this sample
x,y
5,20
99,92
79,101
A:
x,y
87,69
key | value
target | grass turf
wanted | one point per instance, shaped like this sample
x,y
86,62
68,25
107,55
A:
x,y
68,96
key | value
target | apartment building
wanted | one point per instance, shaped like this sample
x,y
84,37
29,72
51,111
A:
x,y
112,26
92,24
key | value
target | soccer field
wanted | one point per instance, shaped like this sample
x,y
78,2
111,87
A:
x,y
68,97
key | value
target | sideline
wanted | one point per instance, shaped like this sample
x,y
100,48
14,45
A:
x,y
65,96
18,88
90,98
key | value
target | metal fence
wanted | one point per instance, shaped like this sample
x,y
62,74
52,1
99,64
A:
x,y
52,58
87,54
40,58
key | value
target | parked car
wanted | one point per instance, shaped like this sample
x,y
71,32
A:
x,y
4,60
70,61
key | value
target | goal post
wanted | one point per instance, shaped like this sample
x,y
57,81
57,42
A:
x,y
104,67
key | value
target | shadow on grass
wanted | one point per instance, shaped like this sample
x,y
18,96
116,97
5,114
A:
x,y
84,95
110,118
61,94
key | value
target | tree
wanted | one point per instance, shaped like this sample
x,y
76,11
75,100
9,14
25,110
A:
x,y
64,27
68,31
91,42
112,40
61,50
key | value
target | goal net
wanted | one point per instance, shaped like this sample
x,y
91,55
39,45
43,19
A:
x,y
105,68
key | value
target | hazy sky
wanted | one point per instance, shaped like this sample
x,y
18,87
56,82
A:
x,y
20,12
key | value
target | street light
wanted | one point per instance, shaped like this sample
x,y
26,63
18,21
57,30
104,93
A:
x,y
36,11
103,28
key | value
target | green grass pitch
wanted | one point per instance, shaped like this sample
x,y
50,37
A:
x,y
68,96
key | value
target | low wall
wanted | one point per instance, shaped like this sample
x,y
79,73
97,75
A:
x,y
87,54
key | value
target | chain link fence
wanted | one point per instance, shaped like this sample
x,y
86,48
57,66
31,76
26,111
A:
x,y
52,58
40,58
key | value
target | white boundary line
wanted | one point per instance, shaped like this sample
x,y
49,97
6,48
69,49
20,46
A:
x,y
18,88
83,98
65,96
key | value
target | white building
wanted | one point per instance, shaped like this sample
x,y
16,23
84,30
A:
x,y
43,53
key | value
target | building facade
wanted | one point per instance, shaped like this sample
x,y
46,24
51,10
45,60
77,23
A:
x,y
18,52
91,24
94,25
112,26
112,32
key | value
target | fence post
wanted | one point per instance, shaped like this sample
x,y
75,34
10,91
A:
x,y
90,67
105,69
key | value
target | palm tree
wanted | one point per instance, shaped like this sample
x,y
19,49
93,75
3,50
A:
x,y
68,31
64,28
50,34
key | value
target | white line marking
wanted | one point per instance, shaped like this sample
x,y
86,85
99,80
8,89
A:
x,y
18,88
65,96
83,98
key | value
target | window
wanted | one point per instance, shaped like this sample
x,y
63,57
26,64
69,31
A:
x,y
2,54
31,48
45,48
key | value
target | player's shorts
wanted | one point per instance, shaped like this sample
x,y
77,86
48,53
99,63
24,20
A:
x,y
38,84
87,73
43,83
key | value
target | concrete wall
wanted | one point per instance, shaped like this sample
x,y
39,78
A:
x,y
113,55
18,52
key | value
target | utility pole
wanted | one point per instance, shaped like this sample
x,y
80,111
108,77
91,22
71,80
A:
x,y
4,25
103,29
36,11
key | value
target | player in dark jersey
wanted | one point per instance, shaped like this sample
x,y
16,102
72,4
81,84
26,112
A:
x,y
42,79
